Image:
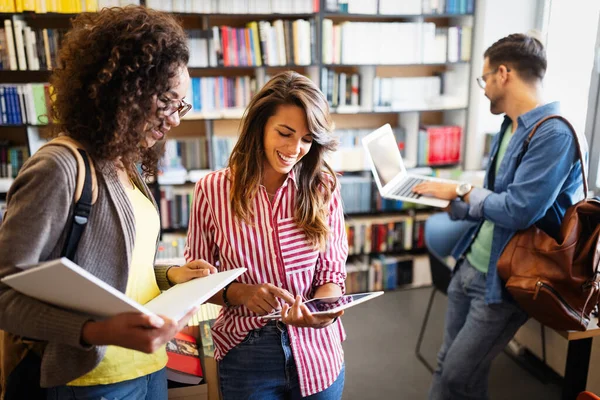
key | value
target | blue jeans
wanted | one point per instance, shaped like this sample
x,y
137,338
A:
x,y
149,387
262,367
475,333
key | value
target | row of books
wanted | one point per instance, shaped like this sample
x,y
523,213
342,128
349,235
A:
x,y
341,89
175,204
188,153
214,94
280,43
373,273
404,7
25,103
222,146
236,6
413,43
174,170
360,196
367,235
11,159
406,92
61,6
439,145
23,48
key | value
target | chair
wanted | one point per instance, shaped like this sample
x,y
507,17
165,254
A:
x,y
587,396
441,235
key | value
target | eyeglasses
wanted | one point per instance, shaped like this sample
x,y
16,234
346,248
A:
x,y
481,80
171,107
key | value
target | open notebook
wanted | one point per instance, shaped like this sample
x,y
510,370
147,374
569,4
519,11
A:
x,y
65,284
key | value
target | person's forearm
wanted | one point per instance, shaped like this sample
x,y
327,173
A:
x,y
328,290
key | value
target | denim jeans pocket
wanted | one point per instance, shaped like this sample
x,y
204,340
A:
x,y
250,337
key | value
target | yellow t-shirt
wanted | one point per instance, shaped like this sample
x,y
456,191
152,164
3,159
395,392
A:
x,y
121,364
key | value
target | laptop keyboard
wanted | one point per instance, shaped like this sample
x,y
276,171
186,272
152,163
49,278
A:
x,y
405,188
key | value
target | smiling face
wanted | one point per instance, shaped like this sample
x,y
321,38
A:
x,y
164,114
286,140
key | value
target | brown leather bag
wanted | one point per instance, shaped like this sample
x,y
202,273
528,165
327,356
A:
x,y
557,282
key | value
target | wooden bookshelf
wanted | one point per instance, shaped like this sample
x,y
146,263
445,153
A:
x,y
226,123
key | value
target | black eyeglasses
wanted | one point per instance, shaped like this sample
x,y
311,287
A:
x,y
481,79
173,106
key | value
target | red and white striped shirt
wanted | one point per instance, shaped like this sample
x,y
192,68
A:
x,y
275,251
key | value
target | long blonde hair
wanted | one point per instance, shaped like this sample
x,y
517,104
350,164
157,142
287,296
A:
x,y
315,188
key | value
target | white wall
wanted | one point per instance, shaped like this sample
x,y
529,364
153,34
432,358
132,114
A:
x,y
570,49
493,20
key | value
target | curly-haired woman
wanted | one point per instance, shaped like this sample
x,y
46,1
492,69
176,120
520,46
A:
x,y
277,211
120,90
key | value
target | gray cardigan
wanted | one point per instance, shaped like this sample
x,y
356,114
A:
x,y
39,207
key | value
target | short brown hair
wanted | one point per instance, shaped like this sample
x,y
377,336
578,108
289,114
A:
x,y
521,52
112,64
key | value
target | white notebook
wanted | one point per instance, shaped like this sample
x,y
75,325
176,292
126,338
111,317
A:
x,y
65,284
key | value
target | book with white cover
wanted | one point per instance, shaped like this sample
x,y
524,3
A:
x,y
65,284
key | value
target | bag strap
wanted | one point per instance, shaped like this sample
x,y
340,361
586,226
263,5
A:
x,y
535,128
86,193
81,213
74,146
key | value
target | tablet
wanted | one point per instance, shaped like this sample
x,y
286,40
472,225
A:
x,y
331,305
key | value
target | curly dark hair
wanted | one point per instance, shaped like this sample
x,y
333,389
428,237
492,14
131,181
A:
x,y
113,65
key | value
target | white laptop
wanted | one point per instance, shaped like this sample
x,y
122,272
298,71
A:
x,y
391,177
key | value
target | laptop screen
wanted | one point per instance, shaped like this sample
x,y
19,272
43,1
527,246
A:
x,y
385,155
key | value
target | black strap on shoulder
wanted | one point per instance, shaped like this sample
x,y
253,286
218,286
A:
x,y
81,213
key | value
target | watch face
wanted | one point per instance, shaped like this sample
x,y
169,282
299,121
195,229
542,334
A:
x,y
463,188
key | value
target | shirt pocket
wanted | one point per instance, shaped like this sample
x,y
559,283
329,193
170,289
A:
x,y
296,252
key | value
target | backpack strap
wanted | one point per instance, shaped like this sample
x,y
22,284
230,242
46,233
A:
x,y
75,146
86,193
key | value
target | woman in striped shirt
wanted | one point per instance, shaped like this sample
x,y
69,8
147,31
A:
x,y
277,211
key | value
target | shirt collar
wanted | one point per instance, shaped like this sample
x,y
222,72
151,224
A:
x,y
291,176
530,118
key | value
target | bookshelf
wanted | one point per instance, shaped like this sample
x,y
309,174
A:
x,y
405,49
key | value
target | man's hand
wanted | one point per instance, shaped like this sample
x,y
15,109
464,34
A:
x,y
189,271
440,190
298,315
261,299
135,331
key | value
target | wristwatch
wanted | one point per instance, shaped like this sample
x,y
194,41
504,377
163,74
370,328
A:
x,y
463,189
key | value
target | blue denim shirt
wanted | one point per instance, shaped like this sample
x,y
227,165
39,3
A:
x,y
546,183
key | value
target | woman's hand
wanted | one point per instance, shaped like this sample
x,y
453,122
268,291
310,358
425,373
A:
x,y
135,331
439,190
189,271
298,315
261,299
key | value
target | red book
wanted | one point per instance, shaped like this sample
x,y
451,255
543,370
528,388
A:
x,y
184,360
225,46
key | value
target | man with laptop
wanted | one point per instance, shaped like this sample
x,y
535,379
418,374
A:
x,y
481,318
